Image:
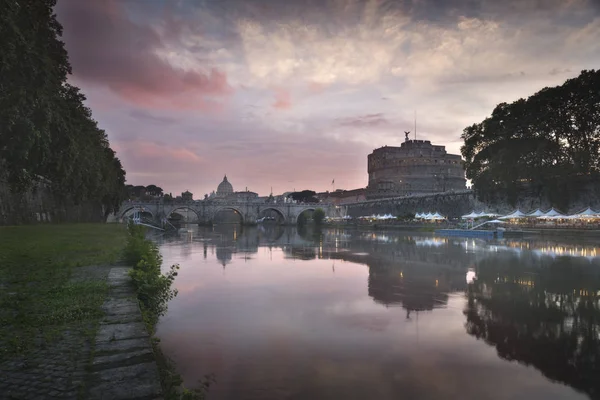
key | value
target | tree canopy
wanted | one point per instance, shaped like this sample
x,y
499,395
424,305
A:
x,y
45,128
547,144
305,196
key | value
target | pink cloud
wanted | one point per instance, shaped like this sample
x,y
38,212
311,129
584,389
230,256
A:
x,y
108,49
316,87
283,99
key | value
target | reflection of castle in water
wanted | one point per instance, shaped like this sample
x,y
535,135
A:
x,y
540,310
416,273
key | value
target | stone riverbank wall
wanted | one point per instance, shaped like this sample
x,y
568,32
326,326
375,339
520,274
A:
x,y
455,204
38,205
452,205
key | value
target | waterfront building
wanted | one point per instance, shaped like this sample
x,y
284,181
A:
x,y
416,167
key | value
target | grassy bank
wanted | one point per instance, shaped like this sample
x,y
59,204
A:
x,y
154,292
38,298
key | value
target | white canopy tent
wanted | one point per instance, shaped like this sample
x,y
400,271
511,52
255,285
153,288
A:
x,y
514,215
536,213
471,215
553,213
488,214
436,217
587,213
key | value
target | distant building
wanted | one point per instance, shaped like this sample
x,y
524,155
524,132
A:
x,y
225,192
225,188
416,167
341,196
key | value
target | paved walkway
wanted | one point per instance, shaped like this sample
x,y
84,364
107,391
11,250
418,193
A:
x,y
122,366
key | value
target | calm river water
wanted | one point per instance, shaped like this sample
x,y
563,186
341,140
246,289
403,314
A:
x,y
277,313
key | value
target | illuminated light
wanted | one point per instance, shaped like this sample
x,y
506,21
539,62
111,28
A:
x,y
401,274
436,283
471,276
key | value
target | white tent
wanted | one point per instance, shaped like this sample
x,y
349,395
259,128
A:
x,y
536,213
514,215
489,214
471,215
553,213
418,216
436,217
587,213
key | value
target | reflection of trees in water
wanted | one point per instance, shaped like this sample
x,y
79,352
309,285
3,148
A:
x,y
548,318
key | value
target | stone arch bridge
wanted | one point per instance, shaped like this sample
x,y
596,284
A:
x,y
207,210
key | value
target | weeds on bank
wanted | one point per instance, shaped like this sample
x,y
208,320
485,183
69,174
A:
x,y
38,301
154,292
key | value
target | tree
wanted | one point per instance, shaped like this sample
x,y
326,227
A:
x,y
33,67
305,196
46,131
548,319
547,144
154,190
318,216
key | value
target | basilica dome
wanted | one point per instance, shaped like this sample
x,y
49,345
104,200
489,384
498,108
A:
x,y
224,188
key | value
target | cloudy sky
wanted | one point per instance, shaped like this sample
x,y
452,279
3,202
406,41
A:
x,y
291,94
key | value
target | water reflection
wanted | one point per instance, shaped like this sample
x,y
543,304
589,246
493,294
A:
x,y
281,313
545,317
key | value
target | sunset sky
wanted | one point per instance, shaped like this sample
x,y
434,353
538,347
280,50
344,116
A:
x,y
291,94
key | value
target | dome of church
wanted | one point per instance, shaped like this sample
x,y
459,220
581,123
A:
x,y
224,188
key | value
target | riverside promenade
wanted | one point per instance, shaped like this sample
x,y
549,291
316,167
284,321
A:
x,y
123,365
118,364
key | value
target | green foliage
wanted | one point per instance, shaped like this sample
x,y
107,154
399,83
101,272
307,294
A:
x,y
305,196
45,129
547,144
302,219
153,288
38,298
318,216
154,292
172,382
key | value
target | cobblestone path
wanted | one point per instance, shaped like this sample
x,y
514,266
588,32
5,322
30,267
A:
x,y
57,371
122,367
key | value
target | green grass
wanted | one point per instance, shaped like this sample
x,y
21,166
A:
x,y
37,298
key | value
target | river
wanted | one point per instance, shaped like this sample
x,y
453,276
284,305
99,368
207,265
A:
x,y
277,313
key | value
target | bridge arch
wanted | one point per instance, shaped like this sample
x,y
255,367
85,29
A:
x,y
277,210
136,207
225,208
184,207
303,211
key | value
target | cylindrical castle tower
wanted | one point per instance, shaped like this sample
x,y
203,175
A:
x,y
416,167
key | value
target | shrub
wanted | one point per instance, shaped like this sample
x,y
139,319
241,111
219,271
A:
x,y
319,216
152,287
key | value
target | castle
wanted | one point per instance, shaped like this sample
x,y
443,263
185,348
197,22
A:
x,y
416,167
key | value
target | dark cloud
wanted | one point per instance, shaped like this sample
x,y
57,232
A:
x,y
107,48
363,121
139,114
